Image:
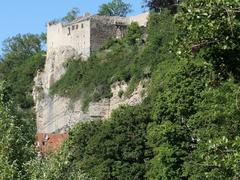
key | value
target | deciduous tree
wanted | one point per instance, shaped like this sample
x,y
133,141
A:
x,y
157,5
115,8
71,15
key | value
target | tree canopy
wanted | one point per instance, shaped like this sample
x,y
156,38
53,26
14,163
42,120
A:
x,y
157,5
20,47
71,15
23,56
16,139
114,8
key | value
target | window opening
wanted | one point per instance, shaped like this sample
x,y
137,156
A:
x,y
69,31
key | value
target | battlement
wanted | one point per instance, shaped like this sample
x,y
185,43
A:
x,y
88,33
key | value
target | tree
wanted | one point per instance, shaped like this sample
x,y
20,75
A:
x,y
212,27
71,15
178,91
113,149
22,58
118,149
157,5
21,47
196,112
115,8
20,80
216,126
15,144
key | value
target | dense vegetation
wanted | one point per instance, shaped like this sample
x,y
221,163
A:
x,y
128,59
23,56
188,126
158,5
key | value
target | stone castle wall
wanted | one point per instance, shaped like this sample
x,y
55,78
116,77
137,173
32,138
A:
x,y
103,28
141,19
76,35
87,34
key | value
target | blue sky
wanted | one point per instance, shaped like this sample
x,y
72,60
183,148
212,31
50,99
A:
x,y
31,16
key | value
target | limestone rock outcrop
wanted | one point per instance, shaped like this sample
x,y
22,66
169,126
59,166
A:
x,y
57,114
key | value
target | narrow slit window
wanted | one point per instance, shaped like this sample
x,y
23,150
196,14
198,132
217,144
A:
x,y
82,26
69,31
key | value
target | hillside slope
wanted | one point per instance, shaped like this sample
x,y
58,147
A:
x,y
187,127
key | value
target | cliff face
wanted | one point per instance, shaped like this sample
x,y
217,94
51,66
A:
x,y
57,114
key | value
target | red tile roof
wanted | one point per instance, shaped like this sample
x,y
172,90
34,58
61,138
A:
x,y
47,143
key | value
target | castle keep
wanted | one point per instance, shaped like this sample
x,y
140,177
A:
x,y
87,34
78,39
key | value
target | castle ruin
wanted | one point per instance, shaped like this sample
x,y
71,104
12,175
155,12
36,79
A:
x,y
78,39
88,33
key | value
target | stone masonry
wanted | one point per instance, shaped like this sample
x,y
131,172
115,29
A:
x,y
87,34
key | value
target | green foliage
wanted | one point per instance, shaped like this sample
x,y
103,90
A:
x,y
195,110
64,164
18,50
92,79
55,166
177,86
114,8
71,15
158,5
19,80
113,149
21,60
120,94
20,47
161,32
15,143
133,34
124,59
215,126
213,27
73,149
187,127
